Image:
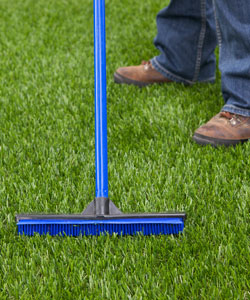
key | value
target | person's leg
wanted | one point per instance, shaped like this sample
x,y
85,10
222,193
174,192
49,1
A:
x,y
234,31
186,39
232,125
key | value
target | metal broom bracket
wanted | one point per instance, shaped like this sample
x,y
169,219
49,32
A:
x,y
101,206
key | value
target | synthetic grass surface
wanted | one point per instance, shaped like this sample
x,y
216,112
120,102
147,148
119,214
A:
x,y
47,163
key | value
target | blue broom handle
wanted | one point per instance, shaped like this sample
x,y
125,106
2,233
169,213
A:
x,y
101,144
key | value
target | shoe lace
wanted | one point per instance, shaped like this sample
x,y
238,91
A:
x,y
227,115
233,118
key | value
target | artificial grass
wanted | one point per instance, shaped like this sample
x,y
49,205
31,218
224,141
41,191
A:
x,y
47,164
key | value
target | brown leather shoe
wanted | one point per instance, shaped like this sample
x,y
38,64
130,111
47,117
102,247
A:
x,y
141,75
224,129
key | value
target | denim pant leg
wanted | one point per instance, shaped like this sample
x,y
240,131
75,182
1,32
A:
x,y
234,42
186,39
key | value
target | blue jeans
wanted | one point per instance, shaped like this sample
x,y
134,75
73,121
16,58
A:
x,y
188,32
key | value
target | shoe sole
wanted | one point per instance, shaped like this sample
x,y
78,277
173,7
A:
x,y
121,79
205,140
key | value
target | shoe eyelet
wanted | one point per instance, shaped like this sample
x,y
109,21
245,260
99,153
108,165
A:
x,y
233,122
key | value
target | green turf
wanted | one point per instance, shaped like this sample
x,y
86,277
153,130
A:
x,y
47,163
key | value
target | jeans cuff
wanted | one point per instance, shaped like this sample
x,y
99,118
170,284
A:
x,y
158,67
169,75
236,110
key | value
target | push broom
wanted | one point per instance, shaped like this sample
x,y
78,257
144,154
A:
x,y
101,215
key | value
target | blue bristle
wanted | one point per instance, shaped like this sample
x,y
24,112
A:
x,y
154,226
